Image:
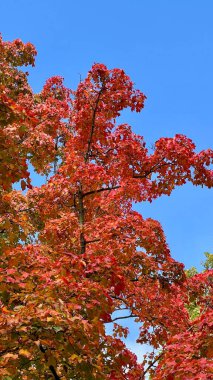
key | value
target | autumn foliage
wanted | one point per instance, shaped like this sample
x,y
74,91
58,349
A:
x,y
74,252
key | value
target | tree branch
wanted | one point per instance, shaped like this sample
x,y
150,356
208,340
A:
x,y
9,349
93,123
124,317
158,165
51,367
102,189
81,220
55,159
92,241
151,365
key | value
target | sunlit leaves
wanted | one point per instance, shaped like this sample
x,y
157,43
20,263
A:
x,y
73,251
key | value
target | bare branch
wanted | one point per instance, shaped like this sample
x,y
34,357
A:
x,y
92,241
158,165
124,317
151,365
100,190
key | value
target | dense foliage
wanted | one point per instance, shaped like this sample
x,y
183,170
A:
x,y
73,251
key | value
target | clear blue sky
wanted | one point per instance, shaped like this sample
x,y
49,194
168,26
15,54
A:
x,y
167,49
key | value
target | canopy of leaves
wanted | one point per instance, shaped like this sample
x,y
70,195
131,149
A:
x,y
73,251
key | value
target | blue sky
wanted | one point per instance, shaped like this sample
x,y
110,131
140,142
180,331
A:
x,y
166,47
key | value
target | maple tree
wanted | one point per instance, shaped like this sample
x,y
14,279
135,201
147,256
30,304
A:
x,y
74,252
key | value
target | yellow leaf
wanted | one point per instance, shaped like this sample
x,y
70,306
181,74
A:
x,y
75,358
25,353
